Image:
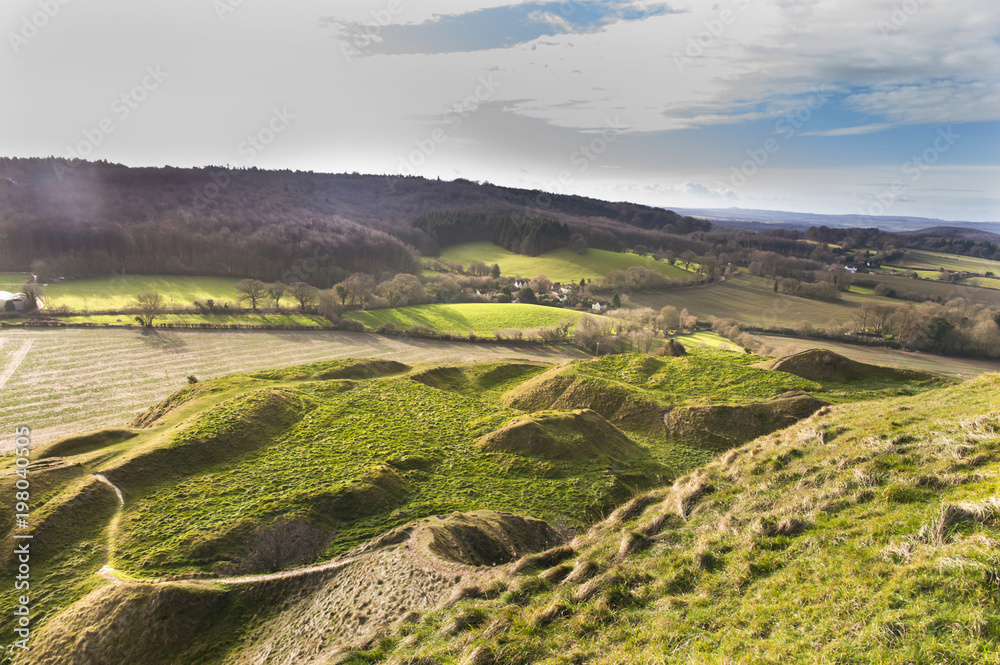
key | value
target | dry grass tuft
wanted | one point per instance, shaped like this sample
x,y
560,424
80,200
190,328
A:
x,y
582,571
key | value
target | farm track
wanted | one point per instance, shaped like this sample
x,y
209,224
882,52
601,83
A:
x,y
73,381
12,366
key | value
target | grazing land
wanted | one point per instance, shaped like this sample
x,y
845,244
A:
x,y
13,281
112,293
74,380
561,265
462,318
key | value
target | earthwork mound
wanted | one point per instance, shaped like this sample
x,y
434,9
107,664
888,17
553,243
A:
x,y
724,426
822,365
483,537
576,434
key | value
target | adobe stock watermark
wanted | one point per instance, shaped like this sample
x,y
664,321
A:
x,y
899,17
581,159
224,8
787,127
713,30
22,547
371,32
121,108
32,24
913,169
249,148
454,116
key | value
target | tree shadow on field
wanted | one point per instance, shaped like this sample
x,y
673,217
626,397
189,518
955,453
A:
x,y
171,342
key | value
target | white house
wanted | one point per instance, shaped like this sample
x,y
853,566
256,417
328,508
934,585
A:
x,y
599,306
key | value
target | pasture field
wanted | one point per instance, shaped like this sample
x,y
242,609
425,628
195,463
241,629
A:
x,y
962,368
62,382
461,318
110,293
13,281
561,265
707,340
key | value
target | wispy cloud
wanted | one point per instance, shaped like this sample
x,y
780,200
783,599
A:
x,y
851,131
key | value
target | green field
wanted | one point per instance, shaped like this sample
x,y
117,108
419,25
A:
x,y
111,293
285,319
708,340
462,318
78,379
561,265
13,281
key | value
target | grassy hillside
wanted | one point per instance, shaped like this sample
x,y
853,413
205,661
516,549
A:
x,y
865,534
561,265
350,458
109,293
461,318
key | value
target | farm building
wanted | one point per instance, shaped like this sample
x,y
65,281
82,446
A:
x,y
16,298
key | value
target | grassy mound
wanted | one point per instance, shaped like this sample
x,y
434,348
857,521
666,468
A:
x,y
129,623
722,426
84,443
879,548
823,366
566,388
483,537
577,434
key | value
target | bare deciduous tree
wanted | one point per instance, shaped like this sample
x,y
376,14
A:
x,y
253,290
275,290
305,294
149,306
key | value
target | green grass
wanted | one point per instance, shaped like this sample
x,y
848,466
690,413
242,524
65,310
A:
x,y
481,319
722,574
284,319
12,281
561,265
708,340
110,293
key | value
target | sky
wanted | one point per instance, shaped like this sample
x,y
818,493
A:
x,y
871,107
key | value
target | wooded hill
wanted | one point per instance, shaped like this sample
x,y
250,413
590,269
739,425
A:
x,y
92,218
